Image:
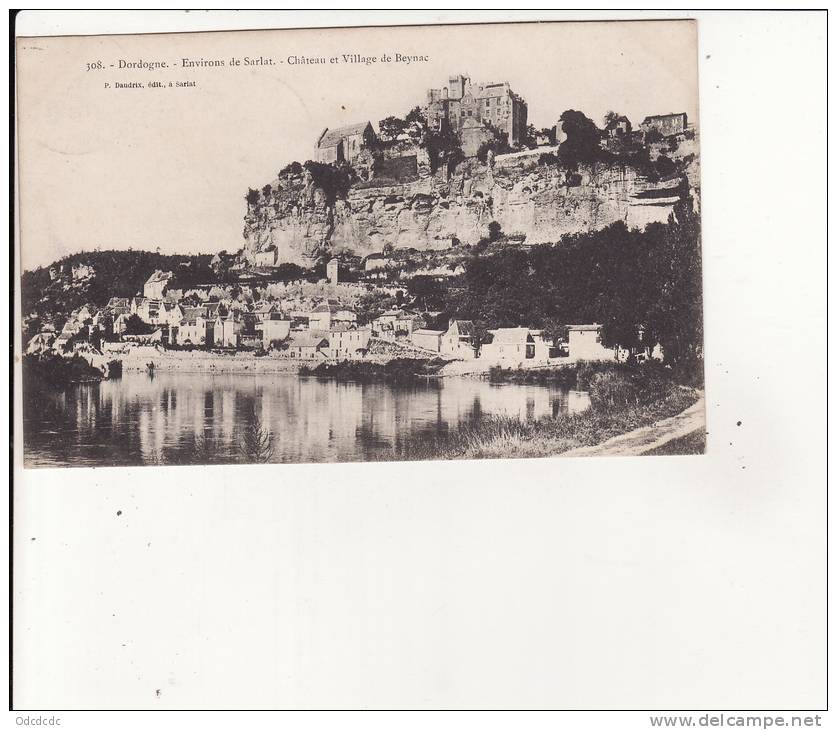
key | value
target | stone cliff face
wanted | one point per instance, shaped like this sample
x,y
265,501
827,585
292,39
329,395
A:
x,y
540,202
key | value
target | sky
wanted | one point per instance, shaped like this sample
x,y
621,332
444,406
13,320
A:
x,y
168,167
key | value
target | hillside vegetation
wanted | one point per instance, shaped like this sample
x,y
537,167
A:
x,y
116,274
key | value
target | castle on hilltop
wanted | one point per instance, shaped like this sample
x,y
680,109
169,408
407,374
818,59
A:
x,y
470,108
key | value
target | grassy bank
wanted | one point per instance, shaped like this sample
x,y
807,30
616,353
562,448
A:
x,y
401,369
622,399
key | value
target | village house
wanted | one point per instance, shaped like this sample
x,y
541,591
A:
x,y
329,313
198,331
384,325
171,314
427,339
83,313
227,329
264,309
274,328
545,349
120,324
585,343
396,323
509,346
103,321
156,284
665,124
344,144
135,304
619,128
345,342
266,257
375,262
154,338
118,303
307,346
459,340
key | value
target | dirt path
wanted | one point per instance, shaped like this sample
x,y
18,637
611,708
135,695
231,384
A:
x,y
645,439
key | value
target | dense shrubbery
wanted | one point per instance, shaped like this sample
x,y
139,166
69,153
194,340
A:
x,y
293,168
620,278
334,180
53,372
394,370
117,274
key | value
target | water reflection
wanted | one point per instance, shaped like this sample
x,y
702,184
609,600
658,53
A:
x,y
193,418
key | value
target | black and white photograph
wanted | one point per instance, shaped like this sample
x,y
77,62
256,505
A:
x,y
344,249
306,305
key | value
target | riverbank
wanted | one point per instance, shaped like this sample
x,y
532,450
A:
x,y
139,358
641,426
683,433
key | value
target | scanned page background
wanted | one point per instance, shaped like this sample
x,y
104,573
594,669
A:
x,y
623,583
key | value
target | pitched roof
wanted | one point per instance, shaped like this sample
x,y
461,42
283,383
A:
x,y
159,276
584,327
306,339
510,336
332,137
464,326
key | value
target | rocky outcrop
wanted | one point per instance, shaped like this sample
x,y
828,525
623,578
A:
x,y
534,202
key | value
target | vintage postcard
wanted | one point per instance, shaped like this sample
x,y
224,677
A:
x,y
441,242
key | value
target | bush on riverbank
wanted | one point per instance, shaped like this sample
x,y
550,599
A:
x,y
613,382
54,372
399,369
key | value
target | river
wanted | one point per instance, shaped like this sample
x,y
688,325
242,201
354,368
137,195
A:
x,y
184,418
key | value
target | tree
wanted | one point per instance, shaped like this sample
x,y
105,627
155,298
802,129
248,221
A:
x,y
294,168
416,124
289,272
428,292
653,135
583,136
499,145
252,197
135,326
333,180
494,231
530,137
554,331
443,147
391,127
610,117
